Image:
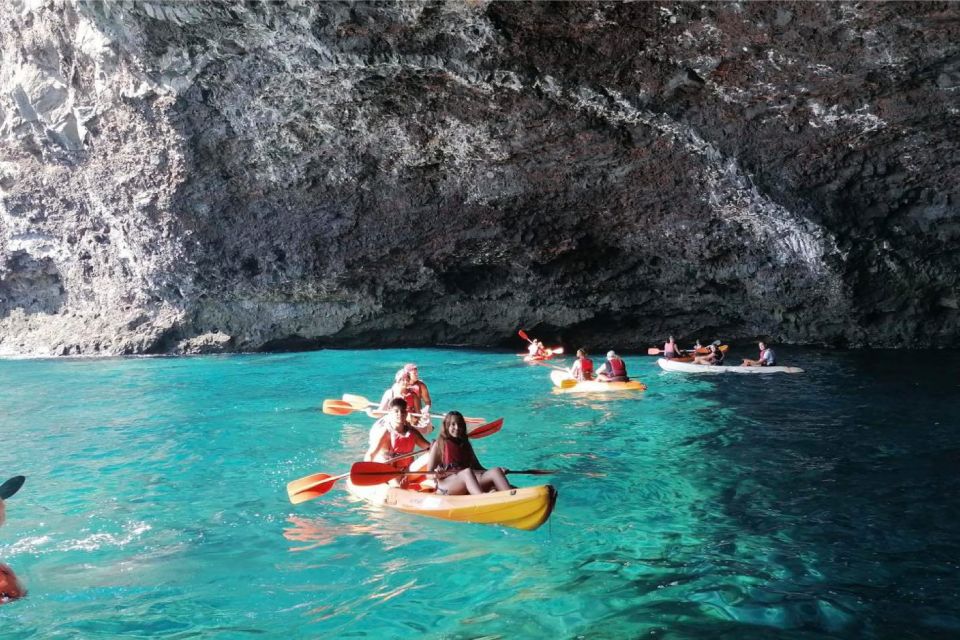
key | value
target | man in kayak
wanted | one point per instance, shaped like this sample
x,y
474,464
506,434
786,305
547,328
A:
x,y
715,357
671,350
10,587
613,370
767,357
582,368
393,435
460,472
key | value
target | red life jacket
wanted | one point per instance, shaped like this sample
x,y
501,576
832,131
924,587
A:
x,y
401,444
616,368
453,457
412,398
586,368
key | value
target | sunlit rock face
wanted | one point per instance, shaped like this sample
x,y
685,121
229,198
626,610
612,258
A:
x,y
191,177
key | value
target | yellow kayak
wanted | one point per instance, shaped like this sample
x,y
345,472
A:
x,y
563,383
522,508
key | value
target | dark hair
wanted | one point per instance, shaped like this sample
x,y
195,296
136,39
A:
x,y
398,403
448,421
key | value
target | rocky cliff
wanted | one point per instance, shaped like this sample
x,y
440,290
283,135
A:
x,y
180,177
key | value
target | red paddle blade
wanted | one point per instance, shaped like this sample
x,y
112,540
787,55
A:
x,y
486,430
523,334
365,474
336,408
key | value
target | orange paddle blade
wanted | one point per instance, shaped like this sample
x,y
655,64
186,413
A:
x,y
653,351
310,487
568,383
337,408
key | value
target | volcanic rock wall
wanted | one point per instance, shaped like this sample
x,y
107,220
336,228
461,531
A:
x,y
182,177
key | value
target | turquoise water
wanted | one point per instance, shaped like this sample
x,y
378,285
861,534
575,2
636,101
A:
x,y
811,506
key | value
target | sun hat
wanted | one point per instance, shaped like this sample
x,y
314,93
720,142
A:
x,y
409,367
11,486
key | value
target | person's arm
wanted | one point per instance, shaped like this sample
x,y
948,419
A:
x,y
433,458
420,440
424,394
385,399
376,443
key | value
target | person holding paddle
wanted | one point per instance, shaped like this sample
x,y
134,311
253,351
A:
x,y
417,385
582,368
402,388
453,456
393,436
671,350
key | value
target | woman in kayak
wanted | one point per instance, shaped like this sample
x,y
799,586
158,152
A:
x,y
671,350
582,368
417,385
715,357
613,370
460,472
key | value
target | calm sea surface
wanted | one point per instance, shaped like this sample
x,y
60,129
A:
x,y
818,505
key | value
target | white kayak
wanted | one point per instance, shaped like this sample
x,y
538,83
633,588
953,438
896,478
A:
x,y
689,367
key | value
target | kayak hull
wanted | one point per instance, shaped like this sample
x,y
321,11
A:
x,y
523,508
689,367
561,381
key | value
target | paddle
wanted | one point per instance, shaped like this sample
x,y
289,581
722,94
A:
x,y
523,334
652,351
360,403
365,474
345,407
317,484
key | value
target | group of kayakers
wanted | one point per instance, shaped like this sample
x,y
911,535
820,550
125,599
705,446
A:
x,y
612,370
715,354
399,435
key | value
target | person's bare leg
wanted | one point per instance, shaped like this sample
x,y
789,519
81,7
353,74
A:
x,y
496,478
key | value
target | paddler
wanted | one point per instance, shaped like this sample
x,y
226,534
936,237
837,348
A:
x,y
417,385
10,587
767,357
671,350
460,471
613,370
714,357
403,387
393,435
582,368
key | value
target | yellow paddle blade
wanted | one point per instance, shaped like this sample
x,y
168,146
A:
x,y
357,402
568,383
